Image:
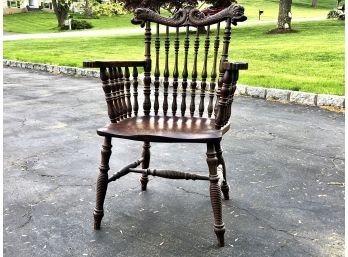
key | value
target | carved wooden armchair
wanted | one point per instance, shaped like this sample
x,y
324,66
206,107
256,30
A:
x,y
205,124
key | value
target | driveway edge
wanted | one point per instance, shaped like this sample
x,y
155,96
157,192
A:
x,y
270,94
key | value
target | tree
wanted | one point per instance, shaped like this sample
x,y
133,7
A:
x,y
61,9
314,3
284,16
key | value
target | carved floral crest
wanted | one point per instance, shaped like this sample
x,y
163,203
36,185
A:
x,y
190,16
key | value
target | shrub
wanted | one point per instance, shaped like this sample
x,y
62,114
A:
x,y
78,24
108,9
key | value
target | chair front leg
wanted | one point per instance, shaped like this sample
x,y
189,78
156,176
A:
x,y
102,182
224,186
215,193
146,163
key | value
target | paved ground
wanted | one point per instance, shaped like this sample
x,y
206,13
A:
x,y
9,36
286,172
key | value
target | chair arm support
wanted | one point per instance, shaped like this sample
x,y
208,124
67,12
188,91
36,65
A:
x,y
227,91
106,64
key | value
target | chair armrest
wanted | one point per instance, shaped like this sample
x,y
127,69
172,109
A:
x,y
235,66
106,64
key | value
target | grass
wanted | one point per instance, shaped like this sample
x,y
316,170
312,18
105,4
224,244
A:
x,y
311,60
43,22
299,8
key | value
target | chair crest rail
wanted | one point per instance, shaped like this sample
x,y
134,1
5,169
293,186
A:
x,y
191,17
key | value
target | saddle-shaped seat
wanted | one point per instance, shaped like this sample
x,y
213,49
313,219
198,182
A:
x,y
165,129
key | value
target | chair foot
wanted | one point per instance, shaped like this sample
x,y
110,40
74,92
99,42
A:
x,y
144,180
225,190
98,216
220,234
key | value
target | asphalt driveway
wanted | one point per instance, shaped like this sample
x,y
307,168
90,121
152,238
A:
x,y
285,163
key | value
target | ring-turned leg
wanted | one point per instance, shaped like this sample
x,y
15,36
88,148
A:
x,y
102,182
146,163
215,193
224,186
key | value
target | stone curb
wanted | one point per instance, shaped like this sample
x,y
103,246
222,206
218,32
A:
x,y
279,95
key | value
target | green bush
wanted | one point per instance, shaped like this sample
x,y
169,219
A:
x,y
78,24
108,9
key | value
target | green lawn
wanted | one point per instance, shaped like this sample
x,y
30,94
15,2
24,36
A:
x,y
299,9
311,60
41,22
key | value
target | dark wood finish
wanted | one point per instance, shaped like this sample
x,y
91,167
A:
x,y
146,163
125,170
107,64
204,72
224,56
215,193
192,17
172,174
185,72
114,86
102,182
128,93
165,129
213,72
147,70
194,75
194,125
135,91
175,72
104,76
166,73
157,71
224,185
122,95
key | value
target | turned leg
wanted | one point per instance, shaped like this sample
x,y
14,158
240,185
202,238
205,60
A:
x,y
215,193
102,182
146,162
224,186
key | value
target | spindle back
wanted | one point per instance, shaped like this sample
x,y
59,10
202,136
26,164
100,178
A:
x,y
190,21
188,63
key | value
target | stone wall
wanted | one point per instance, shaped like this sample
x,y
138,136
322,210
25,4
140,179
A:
x,y
271,94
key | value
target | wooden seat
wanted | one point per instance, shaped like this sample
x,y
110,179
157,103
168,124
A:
x,y
195,109
165,129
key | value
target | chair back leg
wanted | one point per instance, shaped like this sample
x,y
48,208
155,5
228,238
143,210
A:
x,y
224,185
146,163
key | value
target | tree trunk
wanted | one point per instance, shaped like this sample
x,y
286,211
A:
x,y
87,10
61,10
314,3
284,15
